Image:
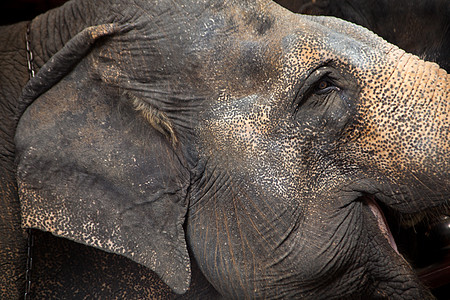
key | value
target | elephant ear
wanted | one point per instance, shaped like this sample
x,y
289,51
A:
x,y
91,169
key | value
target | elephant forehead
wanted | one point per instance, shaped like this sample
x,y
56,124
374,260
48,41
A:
x,y
247,62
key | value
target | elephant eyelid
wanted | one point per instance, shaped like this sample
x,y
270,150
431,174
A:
x,y
320,82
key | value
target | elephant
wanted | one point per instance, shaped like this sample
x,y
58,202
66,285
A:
x,y
417,26
213,149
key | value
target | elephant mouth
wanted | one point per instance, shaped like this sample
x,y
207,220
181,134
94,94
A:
x,y
381,220
423,239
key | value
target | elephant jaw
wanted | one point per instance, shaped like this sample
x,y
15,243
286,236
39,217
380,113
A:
x,y
381,220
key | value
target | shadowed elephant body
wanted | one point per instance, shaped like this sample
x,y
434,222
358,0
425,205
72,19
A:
x,y
232,148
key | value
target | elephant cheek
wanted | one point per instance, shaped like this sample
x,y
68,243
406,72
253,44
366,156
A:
x,y
237,127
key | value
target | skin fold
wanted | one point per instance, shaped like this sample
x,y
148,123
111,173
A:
x,y
214,149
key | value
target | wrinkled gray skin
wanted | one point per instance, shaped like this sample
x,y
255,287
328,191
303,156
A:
x,y
226,149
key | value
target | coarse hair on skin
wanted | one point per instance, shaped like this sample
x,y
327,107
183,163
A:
x,y
152,115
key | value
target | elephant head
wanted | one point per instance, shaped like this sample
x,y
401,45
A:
x,y
272,146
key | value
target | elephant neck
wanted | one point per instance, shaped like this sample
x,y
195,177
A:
x,y
13,76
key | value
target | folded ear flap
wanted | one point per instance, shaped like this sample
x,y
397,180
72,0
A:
x,y
65,60
91,169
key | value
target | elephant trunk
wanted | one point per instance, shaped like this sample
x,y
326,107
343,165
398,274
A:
x,y
420,118
406,130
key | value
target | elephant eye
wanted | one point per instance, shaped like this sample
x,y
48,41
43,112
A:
x,y
316,90
324,86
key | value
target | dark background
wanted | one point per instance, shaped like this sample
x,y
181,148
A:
x,y
12,11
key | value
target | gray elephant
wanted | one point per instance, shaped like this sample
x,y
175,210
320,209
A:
x,y
207,149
